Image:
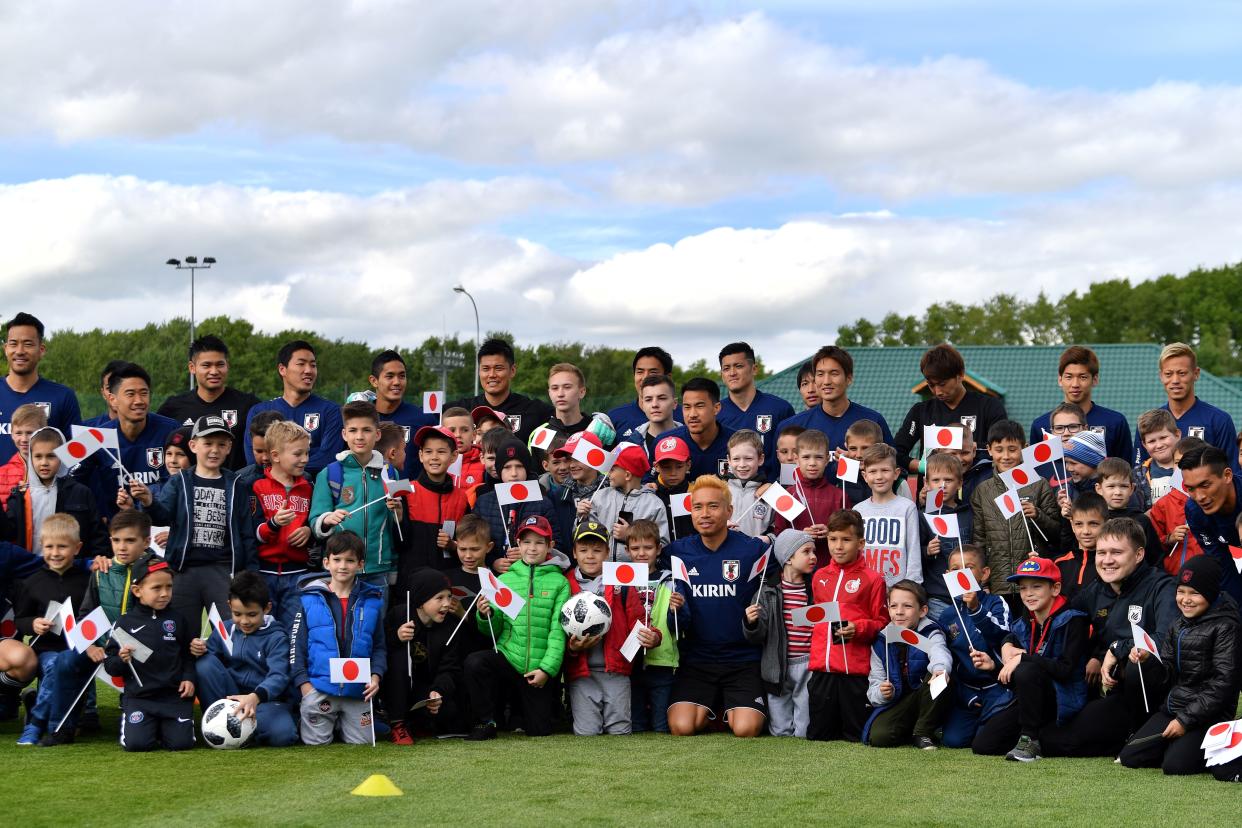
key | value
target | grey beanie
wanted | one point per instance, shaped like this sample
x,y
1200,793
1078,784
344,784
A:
x,y
789,542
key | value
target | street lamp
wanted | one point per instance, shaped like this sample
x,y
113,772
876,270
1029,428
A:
x,y
464,292
191,264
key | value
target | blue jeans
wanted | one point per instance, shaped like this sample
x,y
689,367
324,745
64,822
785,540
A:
x,y
275,724
73,669
650,691
285,596
42,711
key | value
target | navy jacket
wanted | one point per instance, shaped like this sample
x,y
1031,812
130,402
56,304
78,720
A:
x,y
174,507
986,628
260,661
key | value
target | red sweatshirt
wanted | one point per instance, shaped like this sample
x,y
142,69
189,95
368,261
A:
x,y
1168,513
626,608
276,554
822,498
861,593
471,472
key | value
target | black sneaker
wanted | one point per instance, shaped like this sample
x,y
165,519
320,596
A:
x,y
89,723
1026,750
482,732
924,743
51,739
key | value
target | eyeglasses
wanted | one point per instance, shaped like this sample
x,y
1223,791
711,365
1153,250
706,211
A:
x,y
1072,428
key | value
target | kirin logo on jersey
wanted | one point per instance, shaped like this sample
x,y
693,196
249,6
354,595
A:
x,y
1197,431
722,467
229,415
155,457
969,421
514,421
763,423
729,570
310,422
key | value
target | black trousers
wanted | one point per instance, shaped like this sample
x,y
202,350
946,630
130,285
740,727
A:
x,y
838,706
1103,726
1034,709
1178,757
488,676
147,724
916,714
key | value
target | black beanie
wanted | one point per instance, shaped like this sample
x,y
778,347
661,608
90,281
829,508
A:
x,y
424,584
511,450
1202,574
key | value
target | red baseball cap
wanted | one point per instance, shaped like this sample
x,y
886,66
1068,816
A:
x,y
572,443
633,459
537,524
484,412
1042,568
426,431
672,448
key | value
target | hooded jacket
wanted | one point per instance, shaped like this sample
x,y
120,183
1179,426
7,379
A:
x,y
359,485
863,600
428,505
276,554
752,516
626,609
769,631
535,639
260,661
72,498
608,503
1058,646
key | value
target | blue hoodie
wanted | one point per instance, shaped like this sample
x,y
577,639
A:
x,y
260,661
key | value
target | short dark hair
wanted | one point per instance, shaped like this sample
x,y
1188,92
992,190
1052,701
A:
x,y
25,320
704,385
383,358
345,541
359,410
208,344
843,519
792,430
260,422
1188,444
737,348
496,347
287,351
1089,502
915,589
941,363
249,587
658,379
131,519
1209,456
653,351
1125,528
392,435
109,369
1068,408
806,370
1006,430
839,355
1078,355
129,370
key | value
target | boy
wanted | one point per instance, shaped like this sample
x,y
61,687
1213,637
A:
x,y
431,501
59,580
486,419
391,446
256,673
860,436
350,494
977,695
210,533
747,482
1006,543
341,617
50,490
512,460
1087,517
786,646
1168,517
900,682
812,486
944,473
892,520
1083,454
1153,478
457,420
806,385
424,664
256,437
787,445
282,501
130,533
529,649
566,391
598,675
157,707
1042,662
26,420
555,465
840,652
583,480
651,676
657,398
473,542
1115,483
672,465
626,500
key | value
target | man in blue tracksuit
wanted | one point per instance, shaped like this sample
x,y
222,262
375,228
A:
x,y
298,367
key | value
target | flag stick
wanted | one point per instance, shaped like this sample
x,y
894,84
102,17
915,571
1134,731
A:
x,y
676,623
90,680
368,503
371,703
969,643
802,496
1143,687
409,652
1027,524
886,677
1037,529
845,653
462,621
135,672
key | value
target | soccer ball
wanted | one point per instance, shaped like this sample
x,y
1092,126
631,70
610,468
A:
x,y
586,614
223,729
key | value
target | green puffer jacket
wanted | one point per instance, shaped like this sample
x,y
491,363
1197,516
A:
x,y
1005,541
535,641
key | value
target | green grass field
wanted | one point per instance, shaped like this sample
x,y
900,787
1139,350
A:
x,y
563,779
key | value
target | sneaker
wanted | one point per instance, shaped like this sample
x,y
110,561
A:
x,y
30,736
53,739
482,732
1026,750
89,722
924,743
401,736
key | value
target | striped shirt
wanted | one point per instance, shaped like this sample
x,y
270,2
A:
x,y
798,639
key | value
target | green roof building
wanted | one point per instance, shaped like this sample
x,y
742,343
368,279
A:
x,y
1025,377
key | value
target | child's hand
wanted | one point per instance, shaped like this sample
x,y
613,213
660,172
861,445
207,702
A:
x,y
502,565
1174,730
139,491
300,536
1106,670
1006,672
186,690
95,654
649,637
406,631
819,531
752,613
41,625
126,653
101,564
456,608
1064,502
1028,509
886,690
653,486
123,500
198,647
1093,671
161,539
372,688
583,508
982,661
677,600
442,539
484,606
283,517
580,643
846,631
306,687
433,706
334,518
1177,535
395,505
1138,656
621,529
933,546
246,705
536,678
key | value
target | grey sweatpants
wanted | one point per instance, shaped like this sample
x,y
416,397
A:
x,y
322,716
789,713
600,703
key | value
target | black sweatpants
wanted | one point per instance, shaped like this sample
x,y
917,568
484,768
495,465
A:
x,y
1104,725
1179,757
488,675
837,704
148,724
915,714
1034,708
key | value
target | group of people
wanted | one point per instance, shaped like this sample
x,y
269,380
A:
x,y
379,567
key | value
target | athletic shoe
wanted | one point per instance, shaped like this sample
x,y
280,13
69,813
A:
x,y
89,723
401,736
30,736
1026,750
53,739
924,743
482,732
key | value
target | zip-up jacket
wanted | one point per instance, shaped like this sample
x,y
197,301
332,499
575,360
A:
x,y
260,661
503,521
170,663
321,632
72,498
770,633
681,526
935,566
174,507
37,592
905,667
626,609
427,505
276,554
986,628
1147,598
1077,571
752,516
1200,659
110,590
535,640
1005,542
863,600
359,485
1168,513
608,503
437,662
1059,647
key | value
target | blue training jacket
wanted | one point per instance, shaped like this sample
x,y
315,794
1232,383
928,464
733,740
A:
x,y
260,661
986,628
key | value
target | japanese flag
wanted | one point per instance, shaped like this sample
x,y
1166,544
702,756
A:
x,y
783,502
1043,452
433,402
106,437
523,491
349,670
589,454
847,469
935,501
394,487
945,526
1177,480
894,634
65,622
86,632
680,504
632,645
1009,504
1019,476
8,625
55,614
115,682
680,573
77,450
624,574
1144,641
1235,552
1228,751
462,593
505,599
760,565
787,473
960,582
542,438
941,437
454,470
217,626
1218,736
816,614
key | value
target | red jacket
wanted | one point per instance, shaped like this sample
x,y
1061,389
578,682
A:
x,y
1168,513
626,609
270,496
12,475
471,469
823,498
423,505
861,593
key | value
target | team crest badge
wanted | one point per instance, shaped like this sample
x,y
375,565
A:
x,y
514,421
730,569
135,717
1098,430
763,423
1135,613
47,408
325,706
406,430
722,467
969,421
1197,431
310,422
155,457
852,586
170,626
229,415
347,495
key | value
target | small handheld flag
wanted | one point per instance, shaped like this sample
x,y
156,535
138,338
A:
x,y
945,526
1235,552
86,632
589,454
632,645
523,491
77,450
1218,736
8,625
680,504
787,473
760,566
56,615
783,502
829,611
139,651
217,626
106,437
1144,641
680,573
505,599
941,437
542,438
1019,476
960,582
935,501
1047,450
433,402
1009,504
624,574
349,670
894,634
848,469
